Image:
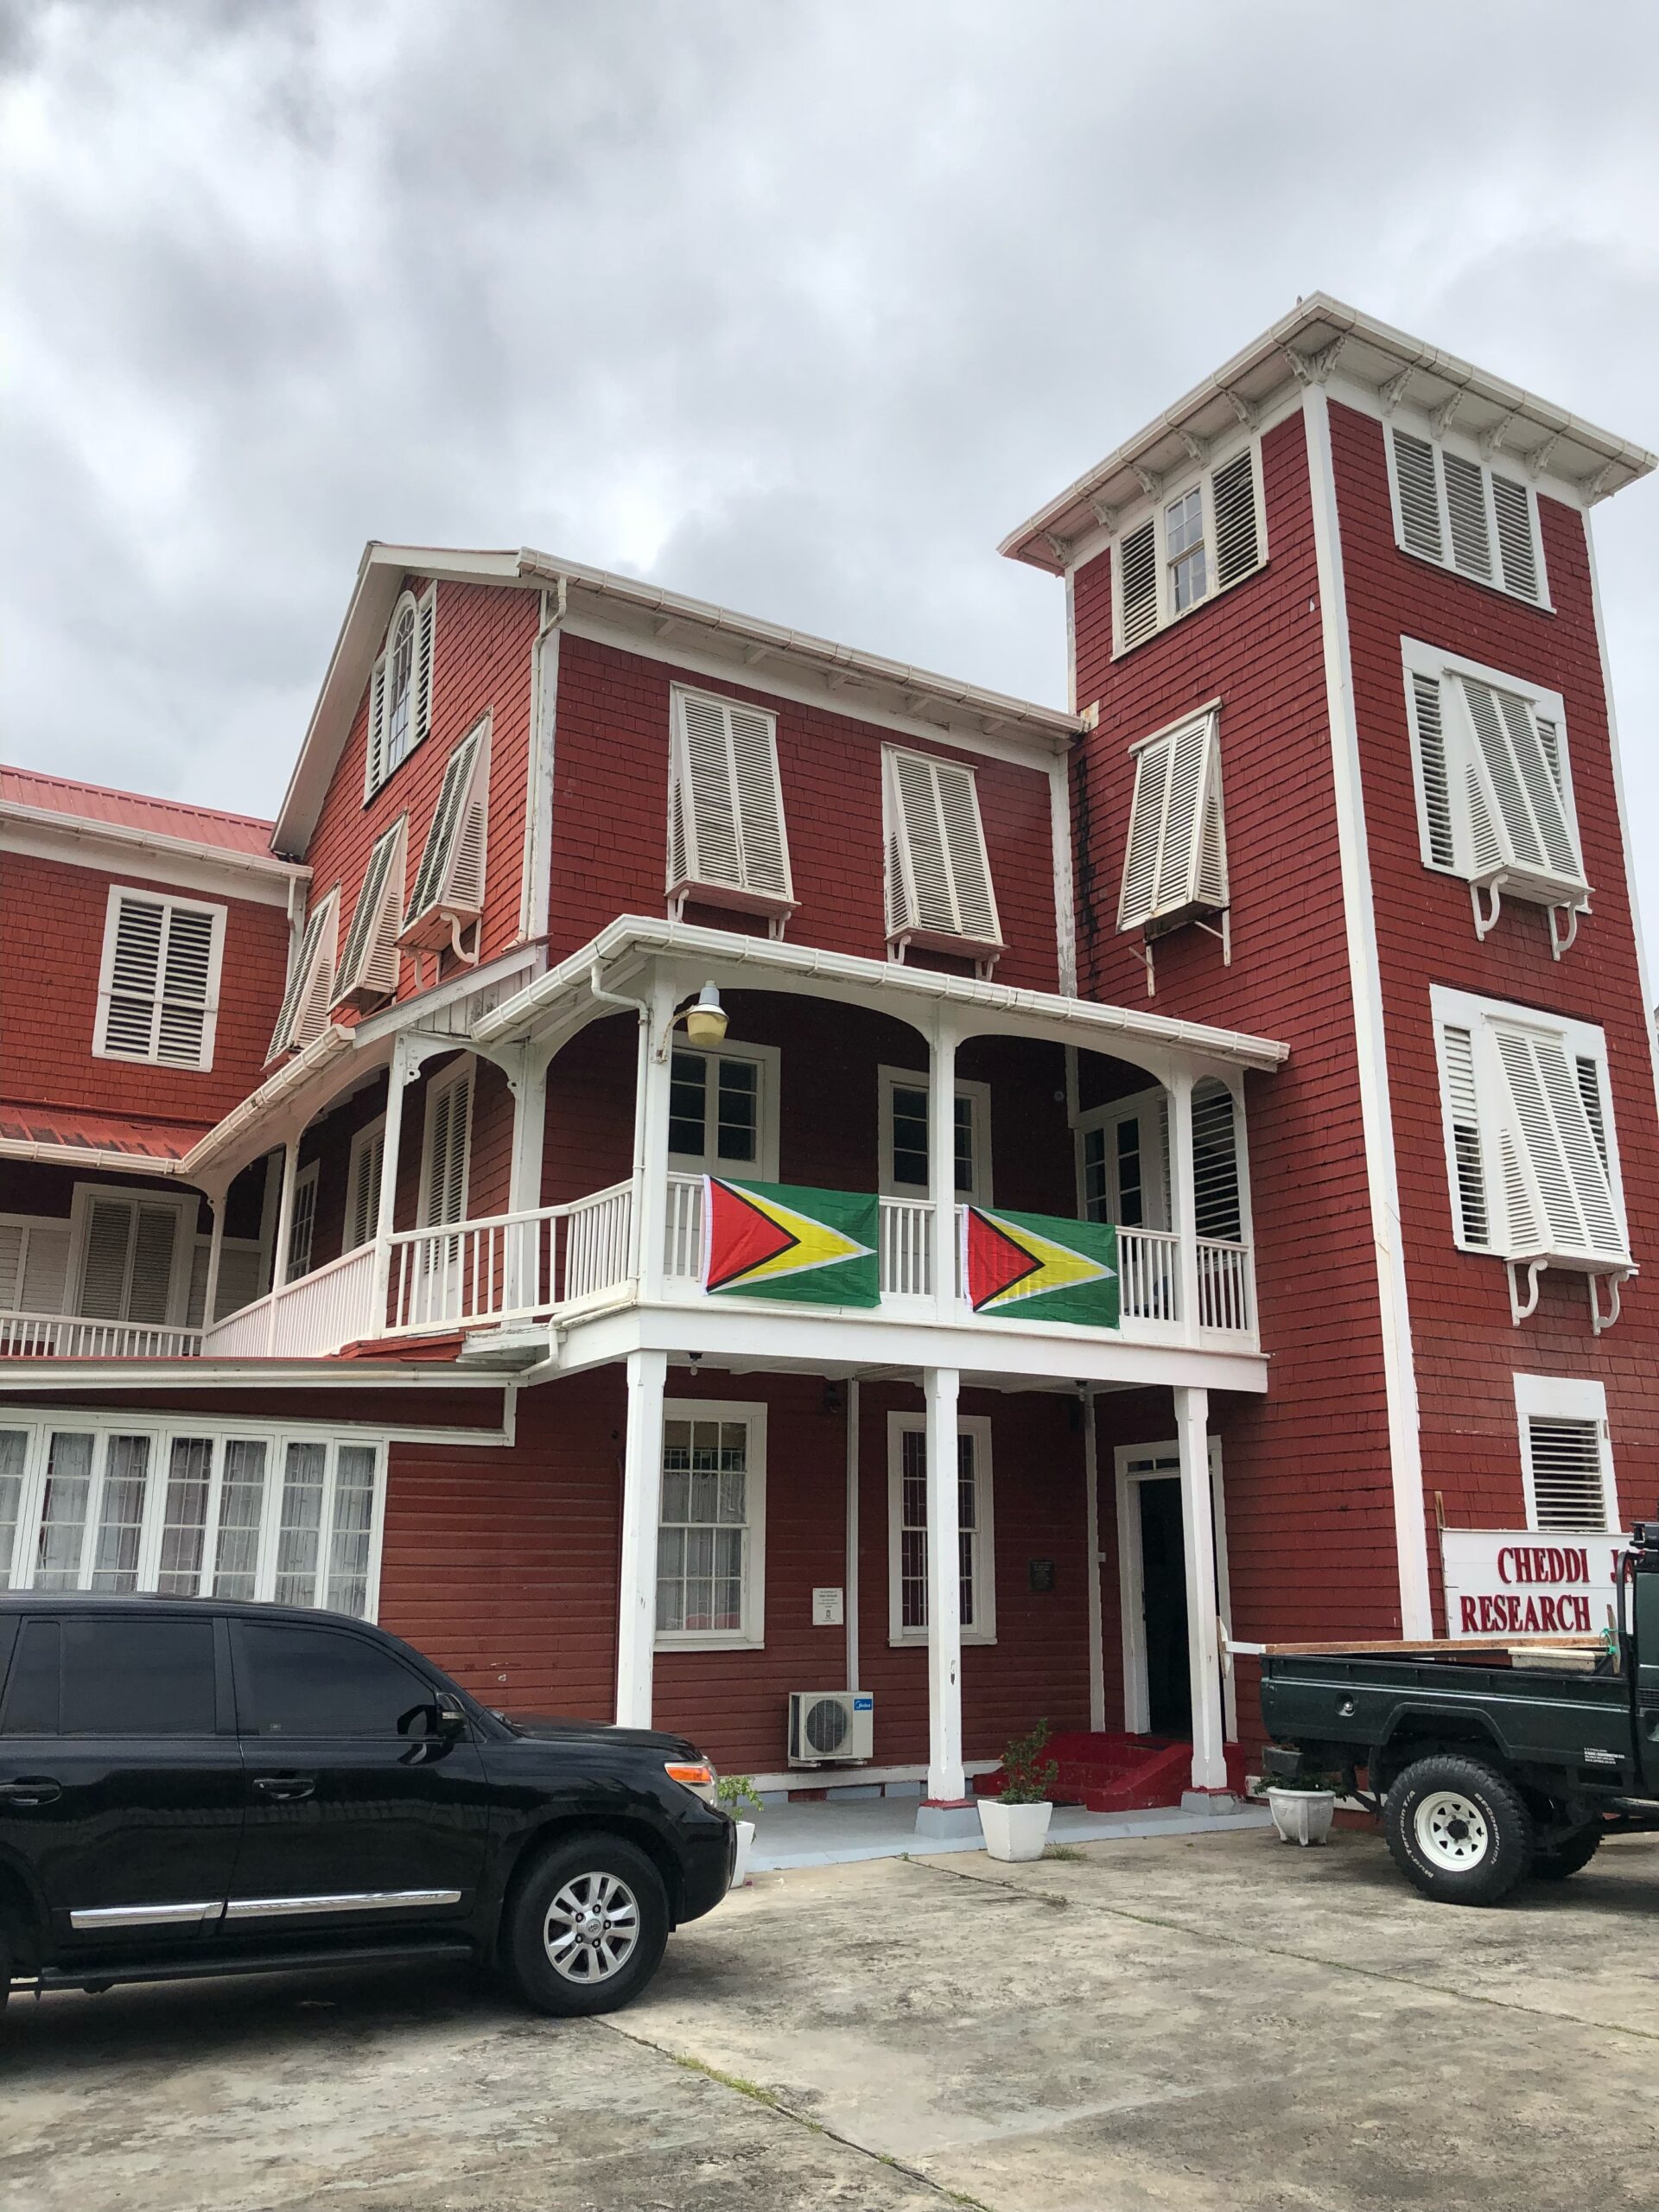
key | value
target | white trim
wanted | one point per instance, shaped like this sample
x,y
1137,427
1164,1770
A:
x,y
1065,913
768,1059
257,878
1135,1464
978,1095
984,1630
752,1635
1563,1397
208,1009
1364,971
536,872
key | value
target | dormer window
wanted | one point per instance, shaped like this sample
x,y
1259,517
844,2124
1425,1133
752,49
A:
x,y
400,688
1210,536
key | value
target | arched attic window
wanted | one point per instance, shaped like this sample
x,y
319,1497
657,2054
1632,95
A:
x,y
400,690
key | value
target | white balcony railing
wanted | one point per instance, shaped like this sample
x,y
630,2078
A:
x,y
1225,1302
65,1336
331,1307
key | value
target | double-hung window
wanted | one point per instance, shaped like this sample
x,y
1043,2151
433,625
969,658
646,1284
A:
x,y
1531,1151
1201,539
907,1529
727,842
711,1531
940,893
400,687
1462,513
158,981
1567,1453
1495,787
903,1137
1123,1161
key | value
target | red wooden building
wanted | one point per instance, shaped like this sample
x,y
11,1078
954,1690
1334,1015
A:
x,y
355,1167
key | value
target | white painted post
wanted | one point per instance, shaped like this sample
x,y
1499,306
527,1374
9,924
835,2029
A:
x,y
401,1073
216,1199
1092,1524
651,1185
1183,1192
642,1494
1203,1625
942,1162
946,1783
849,1595
527,1077
284,1232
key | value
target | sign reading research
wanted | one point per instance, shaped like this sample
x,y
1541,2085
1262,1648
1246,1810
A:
x,y
781,1241
1529,1581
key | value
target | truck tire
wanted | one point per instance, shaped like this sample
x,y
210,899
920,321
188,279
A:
x,y
588,1927
1459,1830
1554,1862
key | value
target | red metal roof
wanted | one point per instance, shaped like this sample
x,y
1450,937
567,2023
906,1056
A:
x,y
65,1125
160,818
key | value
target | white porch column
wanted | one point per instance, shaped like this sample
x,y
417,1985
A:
x,y
284,1234
1183,1193
946,1784
1203,1626
399,1075
642,1493
1092,1528
651,1138
941,1164
522,1283
216,1198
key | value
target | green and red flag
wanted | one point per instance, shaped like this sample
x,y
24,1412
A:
x,y
1041,1267
775,1240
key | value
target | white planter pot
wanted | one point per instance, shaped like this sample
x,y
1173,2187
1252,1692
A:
x,y
1013,1832
1302,1815
745,1845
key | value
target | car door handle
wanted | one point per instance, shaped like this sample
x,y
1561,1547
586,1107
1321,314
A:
x,y
287,1788
30,1790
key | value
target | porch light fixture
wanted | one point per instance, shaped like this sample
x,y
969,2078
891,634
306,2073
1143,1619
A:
x,y
704,1019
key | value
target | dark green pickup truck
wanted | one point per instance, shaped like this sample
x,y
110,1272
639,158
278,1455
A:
x,y
1484,1774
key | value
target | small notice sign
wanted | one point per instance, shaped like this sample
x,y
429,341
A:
x,y
827,1609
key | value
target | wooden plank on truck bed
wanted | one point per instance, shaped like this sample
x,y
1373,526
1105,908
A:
x,y
1435,1647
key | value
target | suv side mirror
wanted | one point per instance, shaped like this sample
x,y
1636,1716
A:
x,y
451,1717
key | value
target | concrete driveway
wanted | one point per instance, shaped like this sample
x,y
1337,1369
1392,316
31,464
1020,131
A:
x,y
1217,2022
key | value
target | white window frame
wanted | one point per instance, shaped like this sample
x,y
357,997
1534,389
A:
x,y
752,1635
1138,1105
1144,1463
1198,477
378,772
901,1425
361,1139
1560,1397
1420,426
978,1095
209,1010
162,1431
769,1059
451,1079
185,1210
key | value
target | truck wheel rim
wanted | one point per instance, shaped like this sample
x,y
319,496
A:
x,y
1452,1832
593,1928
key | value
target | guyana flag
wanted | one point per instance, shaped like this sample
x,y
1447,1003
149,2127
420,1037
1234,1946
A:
x,y
808,1247
1041,1265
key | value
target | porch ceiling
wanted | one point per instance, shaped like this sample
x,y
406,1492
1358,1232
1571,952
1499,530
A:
x,y
628,950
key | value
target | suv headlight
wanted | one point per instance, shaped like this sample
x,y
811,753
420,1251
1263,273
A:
x,y
697,1776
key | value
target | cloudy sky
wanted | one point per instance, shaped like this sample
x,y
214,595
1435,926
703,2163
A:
x,y
794,307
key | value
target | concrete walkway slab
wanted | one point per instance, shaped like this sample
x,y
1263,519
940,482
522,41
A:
x,y
829,1833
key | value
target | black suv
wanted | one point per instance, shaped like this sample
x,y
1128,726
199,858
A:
x,y
195,1787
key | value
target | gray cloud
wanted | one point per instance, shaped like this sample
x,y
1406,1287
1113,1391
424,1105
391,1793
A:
x,y
799,309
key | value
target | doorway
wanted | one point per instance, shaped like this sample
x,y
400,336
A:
x,y
1152,1591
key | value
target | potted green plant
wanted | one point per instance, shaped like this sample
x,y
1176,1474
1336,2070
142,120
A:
x,y
1015,1822
737,1793
1304,1809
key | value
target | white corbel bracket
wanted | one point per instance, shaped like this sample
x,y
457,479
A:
x,y
1485,923
1518,1313
1560,940
1143,476
1195,447
1599,1321
1390,394
1247,413
1492,439
1104,514
1440,418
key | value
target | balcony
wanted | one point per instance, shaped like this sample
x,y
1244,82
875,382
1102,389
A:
x,y
67,1335
560,1263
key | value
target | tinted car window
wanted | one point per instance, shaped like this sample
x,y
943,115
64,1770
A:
x,y
124,1677
308,1681
32,1691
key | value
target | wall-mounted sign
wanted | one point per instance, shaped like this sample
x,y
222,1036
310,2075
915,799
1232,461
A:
x,y
806,1248
1529,1581
827,1609
1041,1265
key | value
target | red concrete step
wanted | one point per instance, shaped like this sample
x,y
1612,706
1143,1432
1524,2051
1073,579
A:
x,y
1115,1772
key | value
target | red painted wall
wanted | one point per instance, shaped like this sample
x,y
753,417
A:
x,y
1467,1348
52,920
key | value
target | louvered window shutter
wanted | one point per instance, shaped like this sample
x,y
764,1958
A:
x,y
445,1196
1572,1206
159,1000
1522,821
374,773
364,1198
1433,769
426,622
368,965
726,813
310,984
1569,1488
451,873
1465,508
1216,1205
1512,506
1417,478
1466,516
1463,1106
303,1226
1137,584
1233,494
1177,853
127,1270
938,874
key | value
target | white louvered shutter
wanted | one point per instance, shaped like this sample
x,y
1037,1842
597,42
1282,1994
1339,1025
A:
x,y
1417,478
126,1272
303,1226
1569,1489
444,1198
1567,1203
1217,1210
1433,769
46,1268
310,982
938,874
1137,584
158,1000
1463,1111
14,1246
1465,508
1176,854
1521,820
1466,516
363,1199
451,873
426,622
1512,509
369,963
374,771
726,810
1233,497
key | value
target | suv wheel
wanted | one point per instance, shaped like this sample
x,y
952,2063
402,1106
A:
x,y
1459,1830
586,1930
1554,1862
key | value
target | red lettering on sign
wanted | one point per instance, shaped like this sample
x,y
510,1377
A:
x,y
1546,1610
1471,1617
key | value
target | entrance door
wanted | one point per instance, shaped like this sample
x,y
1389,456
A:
x,y
1163,1599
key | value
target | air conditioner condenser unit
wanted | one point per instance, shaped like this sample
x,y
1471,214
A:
x,y
830,1725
